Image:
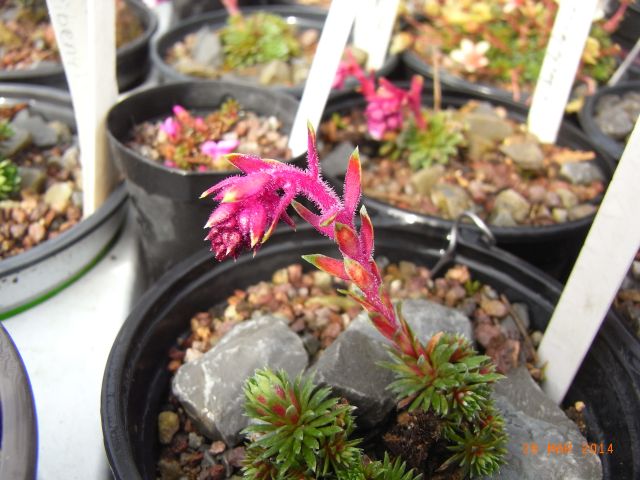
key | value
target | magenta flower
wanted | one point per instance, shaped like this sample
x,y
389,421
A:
x,y
171,127
386,106
251,206
217,149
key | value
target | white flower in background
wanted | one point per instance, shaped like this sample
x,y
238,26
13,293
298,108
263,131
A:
x,y
510,6
471,55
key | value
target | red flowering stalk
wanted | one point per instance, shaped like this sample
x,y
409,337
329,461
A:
x,y
252,205
445,375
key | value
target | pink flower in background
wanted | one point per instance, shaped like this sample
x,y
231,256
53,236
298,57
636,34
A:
x,y
170,164
217,149
171,127
385,107
471,55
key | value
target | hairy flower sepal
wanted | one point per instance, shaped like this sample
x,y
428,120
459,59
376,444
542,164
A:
x,y
300,427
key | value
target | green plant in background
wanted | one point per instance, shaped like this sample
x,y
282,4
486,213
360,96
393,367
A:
x,y
302,432
503,41
9,178
256,39
5,130
439,142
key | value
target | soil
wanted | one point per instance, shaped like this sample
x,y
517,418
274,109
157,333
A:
x,y
316,312
27,38
255,135
49,199
481,177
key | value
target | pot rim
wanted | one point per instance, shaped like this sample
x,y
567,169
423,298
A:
x,y
131,101
65,240
19,445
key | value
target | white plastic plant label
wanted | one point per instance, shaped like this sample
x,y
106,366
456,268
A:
x,y
559,67
373,28
85,33
333,39
607,253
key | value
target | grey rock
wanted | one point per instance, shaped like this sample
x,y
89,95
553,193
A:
x,y
531,417
502,218
508,324
559,215
488,125
568,199
425,319
341,368
512,202
450,199
32,178
58,196
207,49
62,131
41,133
581,211
276,72
210,387
581,173
19,140
341,365
527,154
614,123
71,157
299,72
424,179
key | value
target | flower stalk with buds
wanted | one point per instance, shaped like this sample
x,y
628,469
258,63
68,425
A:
x,y
445,375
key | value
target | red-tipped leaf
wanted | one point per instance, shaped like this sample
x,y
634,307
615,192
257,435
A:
x,y
352,184
327,264
366,233
358,274
248,163
311,218
346,239
246,187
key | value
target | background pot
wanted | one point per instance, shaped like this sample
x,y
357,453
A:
x,y
413,64
303,17
552,248
169,213
132,59
18,426
587,114
136,381
33,276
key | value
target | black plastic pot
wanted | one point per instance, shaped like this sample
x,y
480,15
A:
x,y
303,17
183,9
18,425
552,248
31,277
169,213
586,116
136,381
132,59
413,65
